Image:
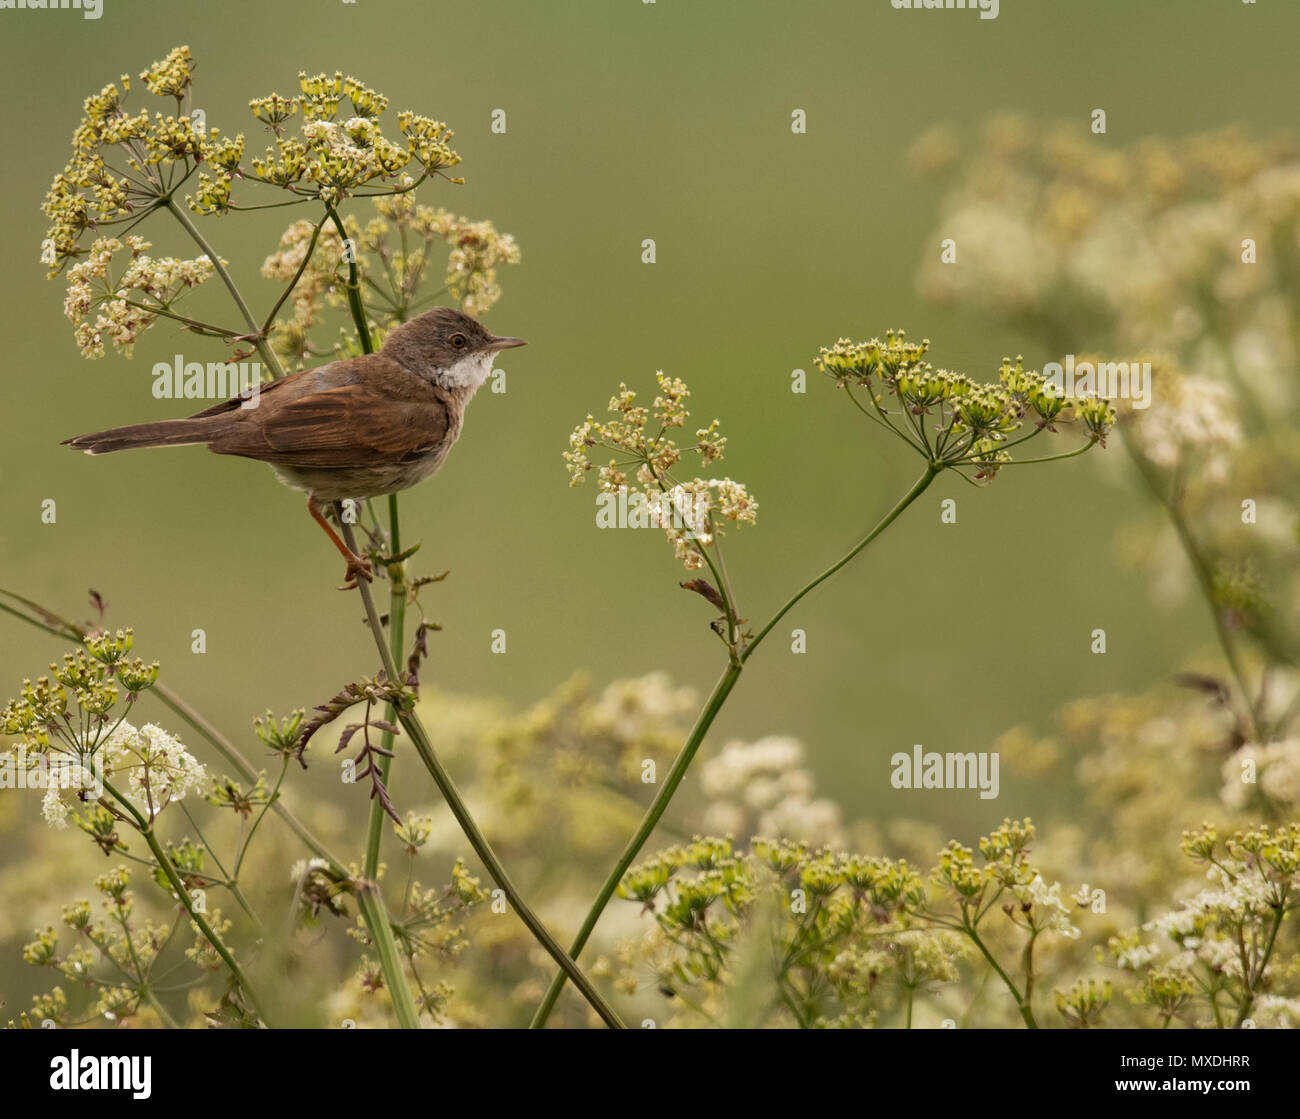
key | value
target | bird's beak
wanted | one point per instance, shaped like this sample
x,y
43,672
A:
x,y
495,343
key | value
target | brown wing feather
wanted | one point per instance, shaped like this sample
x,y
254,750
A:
x,y
237,402
344,426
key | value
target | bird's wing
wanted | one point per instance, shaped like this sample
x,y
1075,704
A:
x,y
346,426
333,375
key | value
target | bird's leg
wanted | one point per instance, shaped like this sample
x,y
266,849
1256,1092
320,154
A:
x,y
357,565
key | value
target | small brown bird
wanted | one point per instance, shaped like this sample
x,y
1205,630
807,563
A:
x,y
352,429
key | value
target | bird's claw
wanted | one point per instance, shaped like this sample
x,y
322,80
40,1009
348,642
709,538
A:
x,y
358,565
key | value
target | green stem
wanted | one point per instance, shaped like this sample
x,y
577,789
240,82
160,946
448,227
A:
x,y
385,944
1021,1004
683,760
196,325
419,737
397,585
255,333
145,828
721,691
396,637
288,291
390,654
1252,982
252,831
918,488
1204,577
161,1010
353,288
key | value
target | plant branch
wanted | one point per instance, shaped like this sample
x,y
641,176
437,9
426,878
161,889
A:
x,y
419,737
145,828
705,720
255,333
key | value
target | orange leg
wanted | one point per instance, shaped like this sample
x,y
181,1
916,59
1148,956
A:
x,y
357,565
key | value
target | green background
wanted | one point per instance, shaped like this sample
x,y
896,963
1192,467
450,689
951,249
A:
x,y
626,121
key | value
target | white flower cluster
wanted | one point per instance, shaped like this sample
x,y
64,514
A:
x,y
157,767
1049,913
1273,769
685,510
762,789
629,710
1193,422
71,777
92,290
1202,927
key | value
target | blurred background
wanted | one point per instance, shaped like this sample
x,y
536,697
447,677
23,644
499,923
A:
x,y
627,121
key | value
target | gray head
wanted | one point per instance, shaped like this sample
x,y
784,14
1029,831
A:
x,y
447,347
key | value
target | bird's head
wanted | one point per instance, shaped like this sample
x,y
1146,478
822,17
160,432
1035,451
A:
x,y
447,347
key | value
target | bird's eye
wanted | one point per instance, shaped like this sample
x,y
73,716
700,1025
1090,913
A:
x,y
458,341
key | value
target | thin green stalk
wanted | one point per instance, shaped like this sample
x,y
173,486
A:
x,y
196,325
1026,1012
397,585
288,291
252,831
167,1019
255,332
419,737
713,705
918,488
396,637
721,690
385,944
1252,982
353,288
1204,577
390,654
145,828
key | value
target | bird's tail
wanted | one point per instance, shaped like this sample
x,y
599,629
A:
x,y
163,433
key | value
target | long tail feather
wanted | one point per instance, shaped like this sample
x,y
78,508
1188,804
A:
x,y
164,433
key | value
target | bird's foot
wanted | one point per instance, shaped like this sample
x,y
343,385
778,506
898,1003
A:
x,y
358,566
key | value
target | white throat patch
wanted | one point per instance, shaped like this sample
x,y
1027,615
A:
x,y
470,372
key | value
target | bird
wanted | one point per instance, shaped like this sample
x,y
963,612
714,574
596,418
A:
x,y
353,429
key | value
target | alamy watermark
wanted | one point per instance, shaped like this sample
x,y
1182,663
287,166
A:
x,y
681,509
90,1073
52,771
1113,380
217,380
90,9
928,769
988,9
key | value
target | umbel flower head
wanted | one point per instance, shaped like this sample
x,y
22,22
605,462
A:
x,y
336,154
645,455
955,422
71,738
392,252
125,165
120,308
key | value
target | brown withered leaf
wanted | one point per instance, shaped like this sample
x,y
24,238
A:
x,y
705,589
